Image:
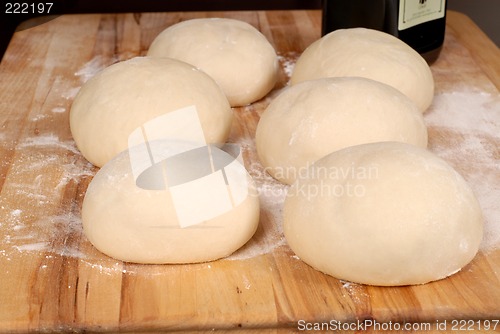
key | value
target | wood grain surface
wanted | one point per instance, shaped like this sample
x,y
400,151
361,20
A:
x,y
51,278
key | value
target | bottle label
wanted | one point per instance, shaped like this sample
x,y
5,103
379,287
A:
x,y
414,12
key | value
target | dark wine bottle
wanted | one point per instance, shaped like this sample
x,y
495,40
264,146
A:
x,y
419,23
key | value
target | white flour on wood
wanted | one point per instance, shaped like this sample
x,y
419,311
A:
x,y
468,123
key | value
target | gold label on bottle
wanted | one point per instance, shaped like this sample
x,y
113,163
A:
x,y
414,12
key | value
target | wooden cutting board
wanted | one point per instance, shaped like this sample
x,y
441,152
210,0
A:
x,y
51,278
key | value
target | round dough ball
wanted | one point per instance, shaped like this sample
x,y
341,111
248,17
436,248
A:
x,y
132,219
371,54
124,96
383,214
233,52
312,119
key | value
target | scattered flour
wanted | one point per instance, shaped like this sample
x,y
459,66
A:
x,y
89,69
356,292
71,93
49,140
58,110
467,111
38,117
468,124
16,213
37,246
269,235
288,61
33,226
92,67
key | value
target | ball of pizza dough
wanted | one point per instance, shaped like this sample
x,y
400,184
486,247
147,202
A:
x,y
233,52
192,205
312,119
383,214
371,54
125,95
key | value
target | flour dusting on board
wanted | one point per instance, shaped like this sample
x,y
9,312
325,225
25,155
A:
x,y
473,117
92,67
288,61
469,114
269,235
43,168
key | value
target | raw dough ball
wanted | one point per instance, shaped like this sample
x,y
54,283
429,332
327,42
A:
x,y
312,119
370,54
125,95
383,214
232,52
132,219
